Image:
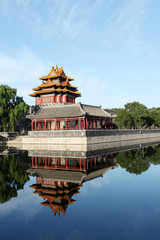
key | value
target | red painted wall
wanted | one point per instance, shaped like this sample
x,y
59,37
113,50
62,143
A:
x,y
54,99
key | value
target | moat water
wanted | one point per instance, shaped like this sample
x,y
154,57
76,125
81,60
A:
x,y
95,195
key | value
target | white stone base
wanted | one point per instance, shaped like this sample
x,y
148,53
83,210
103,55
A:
x,y
81,143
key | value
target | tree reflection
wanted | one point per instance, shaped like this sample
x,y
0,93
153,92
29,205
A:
x,y
12,177
138,161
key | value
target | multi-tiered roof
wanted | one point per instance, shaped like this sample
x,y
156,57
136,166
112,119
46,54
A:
x,y
56,83
57,198
58,111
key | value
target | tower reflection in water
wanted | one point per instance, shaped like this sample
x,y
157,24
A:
x,y
58,179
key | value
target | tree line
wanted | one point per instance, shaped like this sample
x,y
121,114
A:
x,y
12,108
135,115
137,161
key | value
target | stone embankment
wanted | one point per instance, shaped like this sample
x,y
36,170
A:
x,y
5,136
78,138
8,135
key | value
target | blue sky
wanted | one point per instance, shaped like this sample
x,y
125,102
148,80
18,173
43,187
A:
x,y
110,47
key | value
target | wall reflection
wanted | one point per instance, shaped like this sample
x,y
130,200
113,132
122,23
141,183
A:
x,y
59,179
60,175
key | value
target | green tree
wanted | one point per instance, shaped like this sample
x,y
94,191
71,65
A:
x,y
133,161
155,113
124,119
12,108
12,177
132,116
138,112
138,161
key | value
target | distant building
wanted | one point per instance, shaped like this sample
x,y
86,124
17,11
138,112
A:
x,y
55,97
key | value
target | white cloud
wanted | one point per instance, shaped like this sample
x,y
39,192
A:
x,y
110,22
22,204
92,88
126,24
22,71
95,184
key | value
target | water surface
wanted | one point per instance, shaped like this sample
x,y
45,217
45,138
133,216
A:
x,y
94,196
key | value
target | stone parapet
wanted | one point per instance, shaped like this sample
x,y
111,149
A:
x,y
57,134
90,133
81,139
96,133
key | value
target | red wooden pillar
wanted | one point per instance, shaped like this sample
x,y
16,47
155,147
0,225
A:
x,y
35,123
90,162
95,160
100,123
44,124
80,164
94,123
43,161
39,161
35,162
105,123
68,123
66,162
80,124
76,124
65,124
87,163
90,123
58,162
84,164
86,123
83,123
55,162
69,162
